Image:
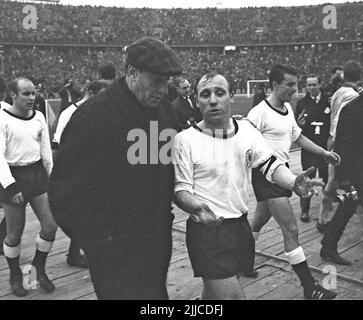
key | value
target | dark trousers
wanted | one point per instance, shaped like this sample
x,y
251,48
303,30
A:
x,y
311,160
339,221
138,271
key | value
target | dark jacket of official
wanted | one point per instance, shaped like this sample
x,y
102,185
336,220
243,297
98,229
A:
x,y
319,112
258,97
184,113
96,193
349,142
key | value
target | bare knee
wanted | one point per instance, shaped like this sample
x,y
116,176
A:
x,y
13,236
49,229
224,289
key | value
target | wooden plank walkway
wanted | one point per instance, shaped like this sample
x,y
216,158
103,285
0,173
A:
x,y
276,281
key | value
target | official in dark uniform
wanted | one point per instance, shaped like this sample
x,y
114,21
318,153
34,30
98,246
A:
x,y
349,144
259,95
110,190
312,114
184,106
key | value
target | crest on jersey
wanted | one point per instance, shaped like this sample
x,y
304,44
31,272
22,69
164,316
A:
x,y
248,158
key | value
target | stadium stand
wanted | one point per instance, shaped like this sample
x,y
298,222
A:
x,y
73,41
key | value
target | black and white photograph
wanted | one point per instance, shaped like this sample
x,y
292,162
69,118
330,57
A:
x,y
170,152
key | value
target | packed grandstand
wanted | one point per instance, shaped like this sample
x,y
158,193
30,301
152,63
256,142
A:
x,y
70,42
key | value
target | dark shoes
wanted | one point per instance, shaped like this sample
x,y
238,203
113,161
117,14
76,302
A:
x,y
317,292
334,256
305,217
45,283
17,287
322,226
252,274
77,260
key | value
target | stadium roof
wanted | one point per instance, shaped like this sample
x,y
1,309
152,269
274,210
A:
x,y
199,4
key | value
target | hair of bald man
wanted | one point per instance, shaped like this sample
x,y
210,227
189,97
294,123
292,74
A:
x,y
14,85
211,75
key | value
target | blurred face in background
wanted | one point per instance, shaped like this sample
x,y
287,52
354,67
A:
x,y
184,88
313,86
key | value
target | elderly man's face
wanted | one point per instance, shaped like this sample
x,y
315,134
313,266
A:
x,y
214,99
149,88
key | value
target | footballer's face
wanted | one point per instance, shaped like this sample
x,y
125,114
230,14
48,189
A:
x,y
286,88
313,86
214,100
23,101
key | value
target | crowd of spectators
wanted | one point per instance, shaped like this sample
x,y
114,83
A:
x,y
55,65
111,25
82,29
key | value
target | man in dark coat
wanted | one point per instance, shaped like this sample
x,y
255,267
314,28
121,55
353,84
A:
x,y
112,183
312,114
259,95
349,144
184,106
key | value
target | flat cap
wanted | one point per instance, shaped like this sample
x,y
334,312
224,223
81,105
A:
x,y
153,56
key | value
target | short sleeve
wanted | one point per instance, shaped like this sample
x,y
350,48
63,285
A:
x,y
183,165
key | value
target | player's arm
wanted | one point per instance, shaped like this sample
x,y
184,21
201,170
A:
x,y
7,180
199,211
275,170
45,149
308,145
184,180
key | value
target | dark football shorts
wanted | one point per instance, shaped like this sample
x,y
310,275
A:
x,y
32,180
264,189
221,252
